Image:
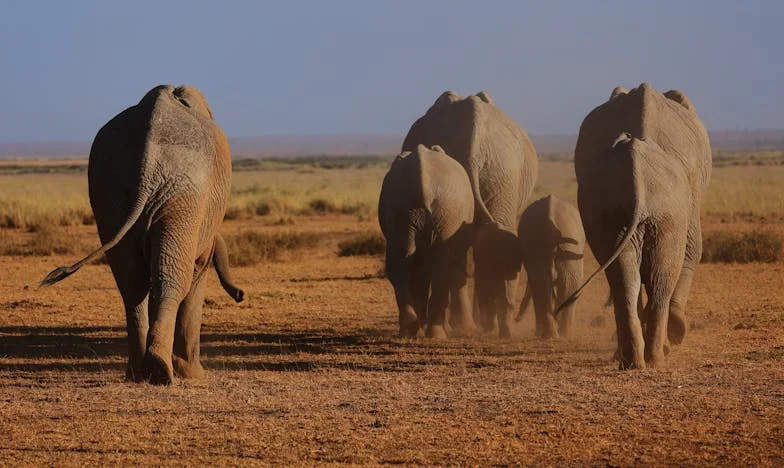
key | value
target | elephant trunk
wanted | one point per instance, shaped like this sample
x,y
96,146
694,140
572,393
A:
x,y
626,140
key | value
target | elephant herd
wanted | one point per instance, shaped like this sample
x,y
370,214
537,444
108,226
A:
x,y
453,205
642,162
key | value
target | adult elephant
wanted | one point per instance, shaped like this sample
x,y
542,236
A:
x,y
502,167
426,212
159,177
643,162
553,245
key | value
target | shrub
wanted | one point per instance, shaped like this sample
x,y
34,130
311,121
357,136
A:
x,y
734,247
371,243
250,247
44,241
322,206
262,208
233,212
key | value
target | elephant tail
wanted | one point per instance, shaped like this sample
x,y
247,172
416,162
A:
x,y
60,273
524,304
625,139
474,175
220,259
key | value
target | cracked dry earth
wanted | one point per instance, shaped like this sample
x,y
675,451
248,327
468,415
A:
x,y
309,371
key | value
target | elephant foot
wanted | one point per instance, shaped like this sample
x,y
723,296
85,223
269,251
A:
x,y
504,333
187,369
628,364
436,332
487,324
134,373
655,360
158,370
676,329
465,331
655,363
547,334
409,325
409,331
464,328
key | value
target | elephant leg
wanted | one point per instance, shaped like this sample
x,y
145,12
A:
x,y
624,278
172,277
160,339
439,299
460,307
187,333
137,324
420,290
461,315
507,306
664,275
407,316
486,315
540,281
676,323
132,278
569,278
399,272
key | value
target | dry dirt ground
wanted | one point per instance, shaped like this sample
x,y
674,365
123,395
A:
x,y
309,371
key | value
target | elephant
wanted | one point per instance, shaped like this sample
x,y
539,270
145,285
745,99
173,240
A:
x,y
552,242
502,167
643,162
159,177
426,213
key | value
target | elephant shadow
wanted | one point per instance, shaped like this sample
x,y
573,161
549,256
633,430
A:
x,y
74,349
32,349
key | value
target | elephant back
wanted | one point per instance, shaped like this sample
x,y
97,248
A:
x,y
667,119
488,144
168,142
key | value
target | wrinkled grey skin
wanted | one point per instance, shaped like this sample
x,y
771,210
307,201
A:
x,y
502,167
426,212
553,244
643,162
159,178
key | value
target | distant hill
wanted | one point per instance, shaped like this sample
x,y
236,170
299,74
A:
x,y
315,145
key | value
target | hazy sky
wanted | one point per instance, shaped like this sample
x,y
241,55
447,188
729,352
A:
x,y
373,67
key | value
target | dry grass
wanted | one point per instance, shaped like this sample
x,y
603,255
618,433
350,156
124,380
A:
x,y
370,243
742,247
309,371
42,241
282,189
251,247
748,158
746,192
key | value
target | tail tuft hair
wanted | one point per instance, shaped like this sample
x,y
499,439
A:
x,y
58,274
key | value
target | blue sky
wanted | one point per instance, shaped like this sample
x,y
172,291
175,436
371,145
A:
x,y
372,67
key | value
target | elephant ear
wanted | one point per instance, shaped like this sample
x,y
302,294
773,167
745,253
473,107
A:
x,y
679,97
193,98
618,91
438,149
485,97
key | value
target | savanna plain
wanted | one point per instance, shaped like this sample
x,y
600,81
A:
x,y
309,368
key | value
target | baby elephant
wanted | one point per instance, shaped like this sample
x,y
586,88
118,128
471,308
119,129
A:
x,y
552,241
426,211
